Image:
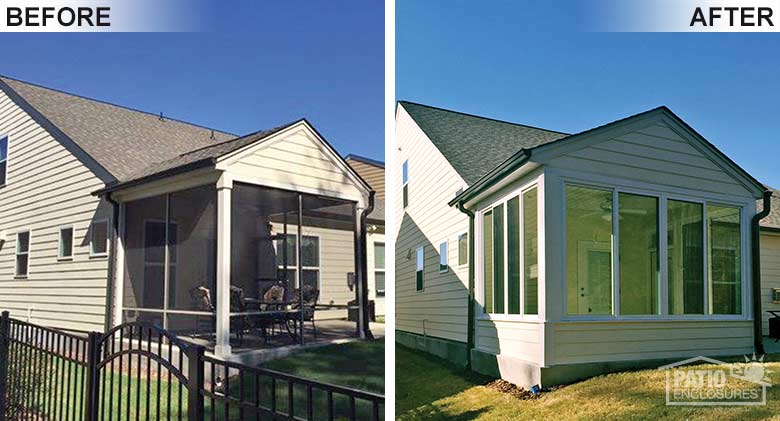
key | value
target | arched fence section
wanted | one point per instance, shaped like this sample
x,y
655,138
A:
x,y
138,371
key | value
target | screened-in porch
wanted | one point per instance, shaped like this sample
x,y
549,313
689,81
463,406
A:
x,y
239,267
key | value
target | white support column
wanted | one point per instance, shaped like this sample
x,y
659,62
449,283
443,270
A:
x,y
119,269
224,189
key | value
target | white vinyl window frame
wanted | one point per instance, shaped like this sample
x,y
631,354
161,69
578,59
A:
x,y
92,252
405,184
7,139
294,268
480,258
444,256
663,196
419,266
18,252
60,230
465,257
379,292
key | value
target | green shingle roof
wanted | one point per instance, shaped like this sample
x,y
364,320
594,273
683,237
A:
x,y
475,145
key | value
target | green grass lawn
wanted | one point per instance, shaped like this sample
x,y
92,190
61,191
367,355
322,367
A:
x,y
357,365
429,388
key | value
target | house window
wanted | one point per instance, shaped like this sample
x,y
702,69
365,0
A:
x,y
379,268
463,249
405,183
513,254
531,252
685,245
487,257
724,259
65,243
3,159
420,268
695,233
98,242
310,259
444,264
588,250
638,254
22,254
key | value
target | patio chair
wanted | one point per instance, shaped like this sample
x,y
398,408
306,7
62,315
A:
x,y
310,297
200,300
238,305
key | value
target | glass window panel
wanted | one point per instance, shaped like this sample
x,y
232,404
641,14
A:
x,y
3,166
310,251
23,242
638,254
287,255
406,195
3,148
588,250
66,242
311,278
685,242
443,257
463,249
379,279
192,235
513,254
144,279
420,268
379,255
405,170
725,281
498,259
21,265
99,237
531,252
487,256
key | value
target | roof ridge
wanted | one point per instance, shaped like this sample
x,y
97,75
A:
x,y
262,132
483,117
125,107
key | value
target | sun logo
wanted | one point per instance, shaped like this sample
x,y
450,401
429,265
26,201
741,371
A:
x,y
753,370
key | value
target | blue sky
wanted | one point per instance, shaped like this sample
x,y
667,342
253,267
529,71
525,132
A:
x,y
537,63
260,66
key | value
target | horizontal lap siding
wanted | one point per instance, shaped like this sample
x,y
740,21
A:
x,y
299,162
440,310
655,154
770,275
587,342
516,339
372,174
48,188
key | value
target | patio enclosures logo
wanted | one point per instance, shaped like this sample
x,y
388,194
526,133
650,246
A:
x,y
687,16
688,383
103,15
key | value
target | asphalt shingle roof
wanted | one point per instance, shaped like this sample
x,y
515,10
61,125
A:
x,y
120,139
773,219
475,145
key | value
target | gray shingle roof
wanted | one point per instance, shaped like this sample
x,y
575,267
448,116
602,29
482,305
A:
x,y
475,145
773,219
121,140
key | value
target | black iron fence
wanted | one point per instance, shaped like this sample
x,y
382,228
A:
x,y
141,372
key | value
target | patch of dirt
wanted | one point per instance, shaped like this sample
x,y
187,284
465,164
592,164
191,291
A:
x,y
504,386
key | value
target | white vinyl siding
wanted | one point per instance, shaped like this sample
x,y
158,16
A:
x,y
441,309
770,274
47,188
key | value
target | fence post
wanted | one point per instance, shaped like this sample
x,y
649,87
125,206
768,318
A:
x,y
4,342
195,382
93,358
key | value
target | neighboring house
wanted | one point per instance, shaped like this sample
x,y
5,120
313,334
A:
x,y
108,214
373,172
545,257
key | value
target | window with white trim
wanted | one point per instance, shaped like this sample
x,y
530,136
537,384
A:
x,y
22,254
405,182
3,159
463,249
420,268
509,250
98,238
65,243
379,269
310,259
444,264
613,238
